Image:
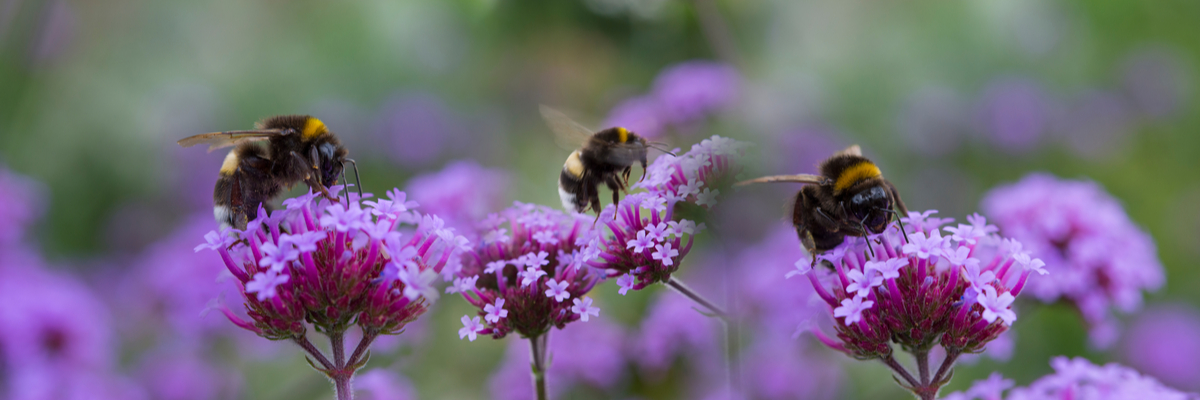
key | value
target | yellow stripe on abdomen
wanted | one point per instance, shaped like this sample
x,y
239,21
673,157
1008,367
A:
x,y
230,164
854,174
573,165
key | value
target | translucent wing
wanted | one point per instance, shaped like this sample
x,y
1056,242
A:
x,y
853,150
626,153
798,178
568,134
216,140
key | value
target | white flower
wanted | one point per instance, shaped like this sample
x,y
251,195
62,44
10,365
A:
x,y
996,306
852,309
495,311
471,327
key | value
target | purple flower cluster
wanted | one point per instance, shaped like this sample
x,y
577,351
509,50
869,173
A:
x,y
645,245
529,273
1076,379
334,266
921,289
682,95
1099,257
1164,342
57,338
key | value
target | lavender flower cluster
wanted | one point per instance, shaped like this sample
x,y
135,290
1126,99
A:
x,y
1075,379
1101,259
918,288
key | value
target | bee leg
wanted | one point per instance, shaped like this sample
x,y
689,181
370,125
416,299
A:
x,y
832,223
313,181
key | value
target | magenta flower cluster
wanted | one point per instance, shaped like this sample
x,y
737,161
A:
x,y
1101,260
918,289
334,265
529,273
1076,379
698,175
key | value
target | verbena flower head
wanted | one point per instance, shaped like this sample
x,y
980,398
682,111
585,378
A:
x,y
533,276
1100,259
335,266
927,290
20,200
1076,379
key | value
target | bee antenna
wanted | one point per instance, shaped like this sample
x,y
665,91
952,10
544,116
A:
x,y
357,181
868,240
660,146
898,221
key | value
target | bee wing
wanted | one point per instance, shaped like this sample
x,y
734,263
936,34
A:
x,y
798,178
568,134
853,150
216,140
626,153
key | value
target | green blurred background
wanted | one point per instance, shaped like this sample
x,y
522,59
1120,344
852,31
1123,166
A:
x,y
93,95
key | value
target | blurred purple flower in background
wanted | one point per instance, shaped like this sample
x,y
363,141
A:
x,y
683,95
57,340
21,201
1164,342
1076,379
671,328
582,355
640,114
689,91
420,128
462,193
801,149
184,374
1099,258
152,293
384,384
1015,113
1157,81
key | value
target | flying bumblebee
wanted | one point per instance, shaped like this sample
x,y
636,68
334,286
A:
x,y
849,197
605,157
299,148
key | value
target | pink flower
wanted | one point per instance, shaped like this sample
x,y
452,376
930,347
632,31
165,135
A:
x,y
803,266
861,283
584,308
557,290
264,283
471,327
625,282
664,253
852,309
997,306
495,311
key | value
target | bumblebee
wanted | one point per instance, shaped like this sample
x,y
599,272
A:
x,y
849,197
605,157
299,148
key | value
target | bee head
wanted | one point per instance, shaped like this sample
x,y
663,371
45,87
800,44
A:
x,y
869,206
332,157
